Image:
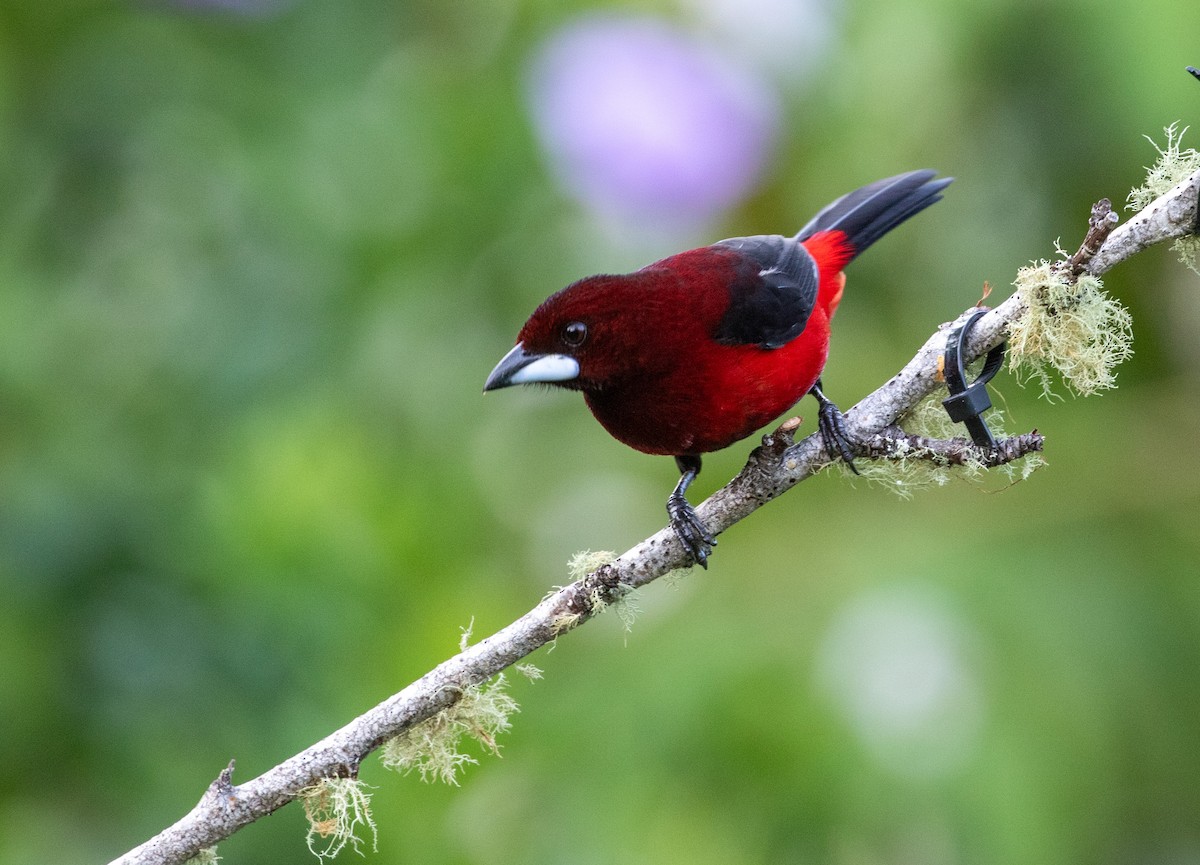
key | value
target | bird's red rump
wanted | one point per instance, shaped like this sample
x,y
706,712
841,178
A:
x,y
833,251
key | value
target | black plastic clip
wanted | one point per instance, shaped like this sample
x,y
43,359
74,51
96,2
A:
x,y
967,403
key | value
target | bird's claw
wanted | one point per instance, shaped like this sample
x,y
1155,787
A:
x,y
836,437
690,529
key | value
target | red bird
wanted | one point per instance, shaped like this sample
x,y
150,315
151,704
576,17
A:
x,y
697,351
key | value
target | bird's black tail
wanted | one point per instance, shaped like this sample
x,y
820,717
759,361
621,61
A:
x,y
867,214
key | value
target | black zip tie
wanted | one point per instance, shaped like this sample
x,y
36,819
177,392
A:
x,y
967,403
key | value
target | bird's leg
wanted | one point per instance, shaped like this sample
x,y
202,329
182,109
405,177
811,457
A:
x,y
692,533
832,424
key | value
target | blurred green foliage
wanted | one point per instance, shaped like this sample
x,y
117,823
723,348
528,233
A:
x,y
254,267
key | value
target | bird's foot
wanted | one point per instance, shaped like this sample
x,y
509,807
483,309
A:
x,y
690,529
832,424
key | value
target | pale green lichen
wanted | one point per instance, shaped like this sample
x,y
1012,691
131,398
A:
x,y
432,747
207,856
627,609
674,579
464,639
564,622
1020,470
337,810
1071,326
905,477
621,598
588,561
1174,165
529,671
579,566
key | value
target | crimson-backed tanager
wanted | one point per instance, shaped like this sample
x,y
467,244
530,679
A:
x,y
692,353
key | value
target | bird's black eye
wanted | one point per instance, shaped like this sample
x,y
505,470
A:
x,y
574,333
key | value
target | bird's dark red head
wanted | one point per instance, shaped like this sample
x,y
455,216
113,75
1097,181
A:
x,y
602,331
560,340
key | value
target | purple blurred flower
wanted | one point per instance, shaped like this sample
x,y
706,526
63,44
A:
x,y
643,123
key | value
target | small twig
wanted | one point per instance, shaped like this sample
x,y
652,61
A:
x,y
1100,226
894,443
223,785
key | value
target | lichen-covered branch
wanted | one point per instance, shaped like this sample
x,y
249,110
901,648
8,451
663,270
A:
x,y
894,443
772,469
1170,216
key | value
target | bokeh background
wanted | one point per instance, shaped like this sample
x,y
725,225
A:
x,y
256,259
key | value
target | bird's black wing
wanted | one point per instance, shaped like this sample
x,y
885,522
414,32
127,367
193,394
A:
x,y
772,294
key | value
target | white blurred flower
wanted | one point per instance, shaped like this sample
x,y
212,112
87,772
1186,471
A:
x,y
895,663
646,126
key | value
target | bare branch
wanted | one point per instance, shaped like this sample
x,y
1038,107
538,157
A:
x,y
772,469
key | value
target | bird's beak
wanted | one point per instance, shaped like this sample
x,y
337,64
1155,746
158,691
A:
x,y
522,367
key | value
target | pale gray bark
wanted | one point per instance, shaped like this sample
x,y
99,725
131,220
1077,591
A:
x,y
772,469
